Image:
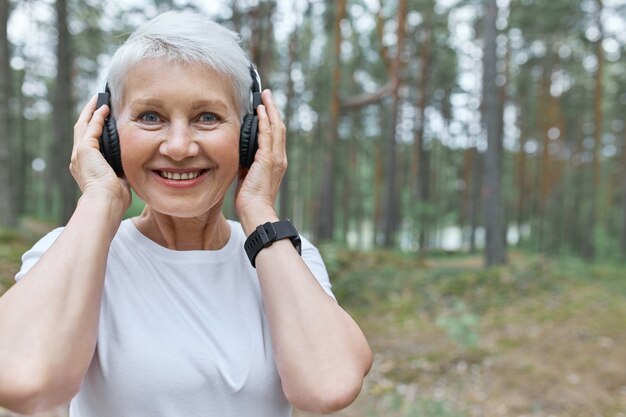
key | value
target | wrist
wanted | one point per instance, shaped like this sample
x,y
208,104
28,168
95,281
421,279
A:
x,y
113,209
265,235
254,218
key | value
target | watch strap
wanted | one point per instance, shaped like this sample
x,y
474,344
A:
x,y
268,233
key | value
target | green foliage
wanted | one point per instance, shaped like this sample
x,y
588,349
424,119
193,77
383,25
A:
x,y
13,244
461,325
422,407
405,283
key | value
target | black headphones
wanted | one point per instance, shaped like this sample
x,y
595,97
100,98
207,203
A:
x,y
248,136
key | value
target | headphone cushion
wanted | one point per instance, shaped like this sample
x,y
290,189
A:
x,y
248,140
114,154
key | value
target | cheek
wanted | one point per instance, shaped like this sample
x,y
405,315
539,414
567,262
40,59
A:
x,y
135,150
227,152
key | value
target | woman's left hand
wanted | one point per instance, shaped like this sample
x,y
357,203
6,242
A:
x,y
258,187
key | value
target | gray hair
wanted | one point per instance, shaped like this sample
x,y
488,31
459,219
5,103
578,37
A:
x,y
184,37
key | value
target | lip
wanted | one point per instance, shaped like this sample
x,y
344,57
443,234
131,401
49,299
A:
x,y
180,184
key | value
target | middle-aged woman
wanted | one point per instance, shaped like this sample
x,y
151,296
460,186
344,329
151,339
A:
x,y
164,314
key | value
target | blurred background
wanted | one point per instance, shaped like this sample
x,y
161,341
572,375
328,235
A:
x,y
460,163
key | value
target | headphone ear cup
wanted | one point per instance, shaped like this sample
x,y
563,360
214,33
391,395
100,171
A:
x,y
114,156
248,140
109,140
110,145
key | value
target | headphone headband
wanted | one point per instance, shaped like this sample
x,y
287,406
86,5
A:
x,y
256,80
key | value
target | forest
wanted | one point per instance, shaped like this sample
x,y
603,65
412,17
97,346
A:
x,y
420,125
460,163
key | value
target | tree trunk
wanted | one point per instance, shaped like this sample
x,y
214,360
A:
x,y
378,176
476,187
391,217
23,162
63,117
420,155
590,251
325,218
624,199
284,186
8,215
495,252
521,174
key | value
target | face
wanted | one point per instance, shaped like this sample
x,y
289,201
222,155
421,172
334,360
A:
x,y
178,126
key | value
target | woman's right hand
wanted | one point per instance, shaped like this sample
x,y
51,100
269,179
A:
x,y
88,167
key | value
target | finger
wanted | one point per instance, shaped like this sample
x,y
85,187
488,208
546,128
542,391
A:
x,y
265,131
272,109
86,116
94,129
89,135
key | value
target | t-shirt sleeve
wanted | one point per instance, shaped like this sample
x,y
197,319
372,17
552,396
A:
x,y
31,256
312,258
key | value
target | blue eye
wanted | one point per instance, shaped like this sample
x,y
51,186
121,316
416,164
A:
x,y
208,118
150,117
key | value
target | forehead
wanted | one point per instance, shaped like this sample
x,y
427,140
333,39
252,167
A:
x,y
177,83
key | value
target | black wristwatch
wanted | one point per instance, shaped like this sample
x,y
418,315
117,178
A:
x,y
268,233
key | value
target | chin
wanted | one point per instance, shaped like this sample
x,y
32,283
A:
x,y
183,210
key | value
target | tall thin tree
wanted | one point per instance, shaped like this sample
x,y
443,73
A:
x,y
624,198
392,200
590,250
8,215
495,252
421,162
291,58
63,115
326,214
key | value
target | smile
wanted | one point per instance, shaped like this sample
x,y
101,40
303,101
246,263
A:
x,y
179,176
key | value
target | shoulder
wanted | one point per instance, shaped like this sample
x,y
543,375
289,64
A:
x,y
30,257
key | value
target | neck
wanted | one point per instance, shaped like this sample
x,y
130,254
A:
x,y
210,231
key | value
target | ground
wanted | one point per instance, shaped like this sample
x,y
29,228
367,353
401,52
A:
x,y
540,337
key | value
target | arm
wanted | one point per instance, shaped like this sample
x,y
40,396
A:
x,y
49,318
321,354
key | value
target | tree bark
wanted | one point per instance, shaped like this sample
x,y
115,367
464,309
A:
x,y
495,252
421,163
63,116
521,170
284,186
624,199
475,205
8,215
325,218
392,200
590,250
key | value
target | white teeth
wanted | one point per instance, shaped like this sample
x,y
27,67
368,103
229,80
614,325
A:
x,y
179,176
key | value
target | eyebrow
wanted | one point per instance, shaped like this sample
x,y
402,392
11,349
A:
x,y
196,104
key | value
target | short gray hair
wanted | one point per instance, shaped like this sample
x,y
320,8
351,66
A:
x,y
184,37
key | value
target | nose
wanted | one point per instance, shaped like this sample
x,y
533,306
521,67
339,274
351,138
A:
x,y
179,142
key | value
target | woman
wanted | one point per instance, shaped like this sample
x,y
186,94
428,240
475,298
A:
x,y
164,314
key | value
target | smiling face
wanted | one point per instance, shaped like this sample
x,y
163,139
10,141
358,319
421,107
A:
x,y
178,126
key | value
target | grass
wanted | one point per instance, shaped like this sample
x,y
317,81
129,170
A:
x,y
12,245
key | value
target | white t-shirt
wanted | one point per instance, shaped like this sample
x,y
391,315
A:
x,y
181,333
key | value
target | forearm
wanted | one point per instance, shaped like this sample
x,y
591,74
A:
x,y
321,354
49,319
